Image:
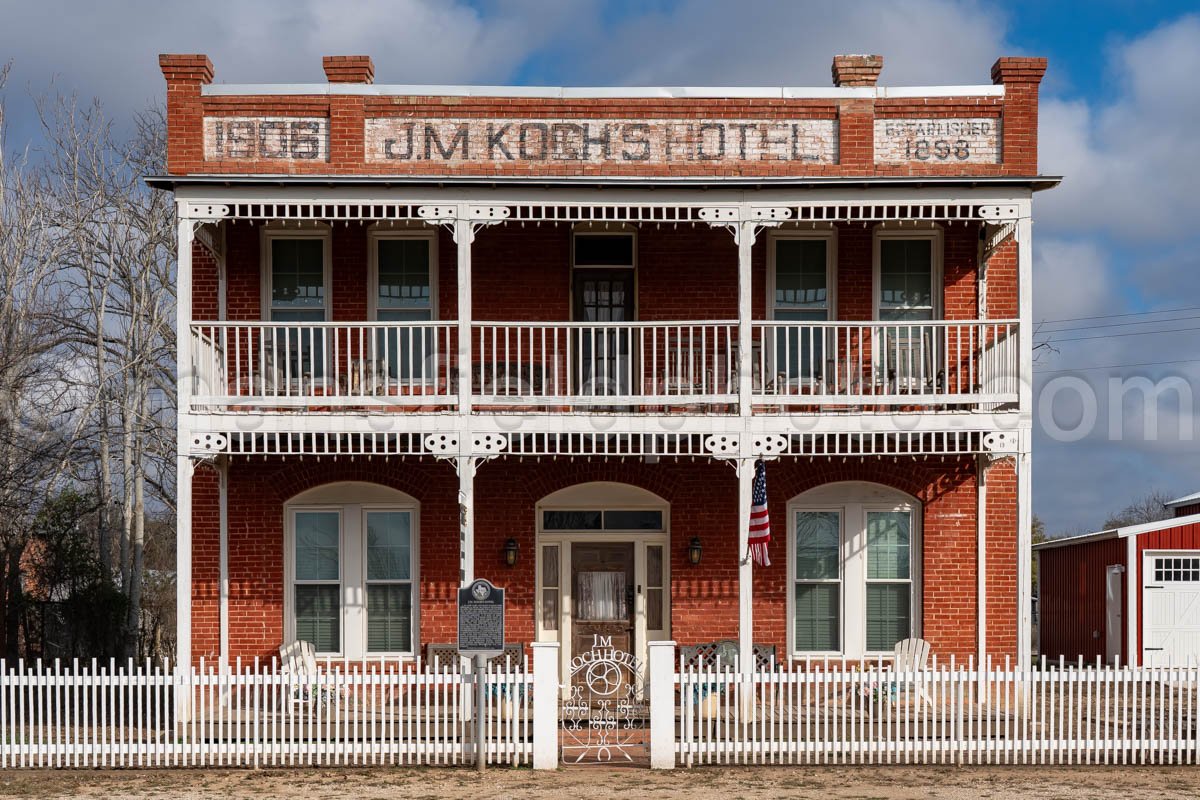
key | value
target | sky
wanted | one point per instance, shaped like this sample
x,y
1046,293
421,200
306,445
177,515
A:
x,y
1115,396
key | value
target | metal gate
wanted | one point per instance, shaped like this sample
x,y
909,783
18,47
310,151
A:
x,y
606,709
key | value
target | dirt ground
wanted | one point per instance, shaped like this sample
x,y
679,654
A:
x,y
709,783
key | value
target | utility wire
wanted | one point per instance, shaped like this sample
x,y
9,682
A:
x,y
1127,314
1118,335
1118,366
1071,328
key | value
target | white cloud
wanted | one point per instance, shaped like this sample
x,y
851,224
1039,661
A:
x,y
1072,279
718,43
1130,162
110,50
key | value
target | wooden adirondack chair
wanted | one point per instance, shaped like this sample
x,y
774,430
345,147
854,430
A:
x,y
300,658
912,655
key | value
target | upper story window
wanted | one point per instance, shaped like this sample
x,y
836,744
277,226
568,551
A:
x,y
403,281
295,290
603,276
801,288
803,279
603,292
404,291
908,292
908,274
296,279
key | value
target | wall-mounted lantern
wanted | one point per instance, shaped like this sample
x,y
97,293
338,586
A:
x,y
694,551
511,551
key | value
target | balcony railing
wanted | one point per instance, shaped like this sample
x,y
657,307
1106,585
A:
x,y
314,365
631,367
897,364
605,365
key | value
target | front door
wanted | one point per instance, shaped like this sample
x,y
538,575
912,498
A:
x,y
603,297
602,581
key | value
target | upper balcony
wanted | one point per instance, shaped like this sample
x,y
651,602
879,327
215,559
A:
x,y
833,310
689,367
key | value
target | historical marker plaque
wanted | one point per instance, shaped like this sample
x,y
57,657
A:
x,y
481,619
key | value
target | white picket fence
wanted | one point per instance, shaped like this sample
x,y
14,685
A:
x,y
389,712
827,712
403,712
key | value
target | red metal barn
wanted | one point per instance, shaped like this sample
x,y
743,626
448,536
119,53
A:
x,y
1091,608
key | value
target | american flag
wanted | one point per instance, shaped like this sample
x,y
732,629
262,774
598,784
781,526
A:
x,y
760,520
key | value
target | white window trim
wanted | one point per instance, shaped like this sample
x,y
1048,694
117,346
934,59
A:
x,y
356,499
793,580
374,236
891,231
618,229
291,582
829,236
305,231
852,499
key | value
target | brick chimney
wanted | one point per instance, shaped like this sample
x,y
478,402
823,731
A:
x,y
185,74
1010,69
349,69
856,70
1022,78
185,68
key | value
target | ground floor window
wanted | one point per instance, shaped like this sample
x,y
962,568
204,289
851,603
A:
x,y
351,569
851,570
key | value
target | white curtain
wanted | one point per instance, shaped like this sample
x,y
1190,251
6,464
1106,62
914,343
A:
x,y
602,596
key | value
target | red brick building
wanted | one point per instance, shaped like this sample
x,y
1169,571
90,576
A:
x,y
542,336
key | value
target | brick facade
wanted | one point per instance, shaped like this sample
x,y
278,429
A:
x,y
703,502
346,134
685,272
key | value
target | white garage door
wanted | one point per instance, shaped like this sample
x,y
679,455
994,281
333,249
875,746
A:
x,y
1171,611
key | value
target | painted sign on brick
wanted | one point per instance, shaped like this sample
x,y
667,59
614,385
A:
x,y
282,139
973,140
641,142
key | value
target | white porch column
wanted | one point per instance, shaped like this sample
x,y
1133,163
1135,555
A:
x,y
463,236
1025,437
981,465
183,464
223,556
746,232
466,465
745,472
183,582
